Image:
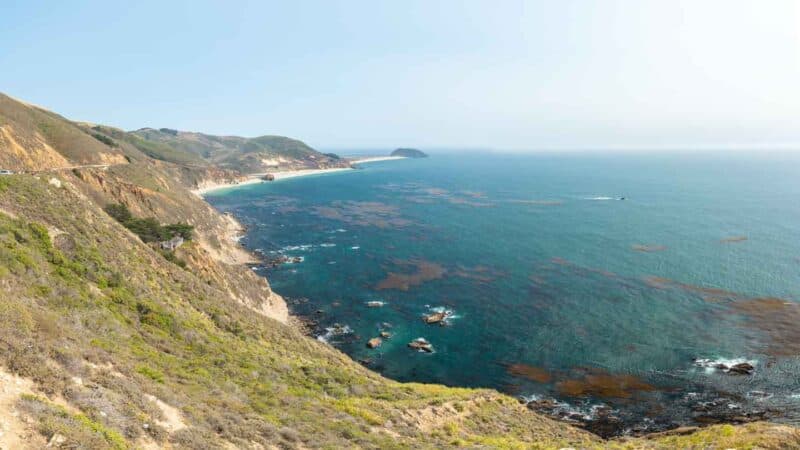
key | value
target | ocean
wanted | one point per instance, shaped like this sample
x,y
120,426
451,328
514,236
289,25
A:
x,y
619,290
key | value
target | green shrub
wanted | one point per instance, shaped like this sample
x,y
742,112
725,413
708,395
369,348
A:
x,y
148,229
119,212
105,139
151,315
153,374
181,229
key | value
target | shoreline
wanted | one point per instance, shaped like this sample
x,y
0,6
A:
x,y
209,187
257,178
286,174
370,159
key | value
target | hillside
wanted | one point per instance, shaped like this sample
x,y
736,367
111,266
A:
x,y
32,138
107,343
246,155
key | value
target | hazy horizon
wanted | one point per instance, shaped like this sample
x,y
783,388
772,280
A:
x,y
573,75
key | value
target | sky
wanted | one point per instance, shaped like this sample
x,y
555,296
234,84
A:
x,y
498,74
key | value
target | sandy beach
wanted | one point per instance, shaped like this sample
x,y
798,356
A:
x,y
286,174
208,187
370,159
305,172
258,178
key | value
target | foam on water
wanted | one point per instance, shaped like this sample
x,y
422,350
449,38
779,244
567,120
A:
x,y
296,248
333,332
712,365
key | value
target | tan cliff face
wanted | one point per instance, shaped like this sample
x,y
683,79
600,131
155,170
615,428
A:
x,y
19,152
243,286
214,255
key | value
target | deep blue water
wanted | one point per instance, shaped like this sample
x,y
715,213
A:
x,y
559,289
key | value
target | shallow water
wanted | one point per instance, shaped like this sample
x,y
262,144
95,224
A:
x,y
558,288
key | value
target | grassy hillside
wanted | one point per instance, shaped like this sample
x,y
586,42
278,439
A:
x,y
152,148
247,155
32,138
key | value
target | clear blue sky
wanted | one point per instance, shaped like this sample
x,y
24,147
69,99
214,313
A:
x,y
347,74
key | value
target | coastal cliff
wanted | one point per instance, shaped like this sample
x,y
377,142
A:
x,y
107,341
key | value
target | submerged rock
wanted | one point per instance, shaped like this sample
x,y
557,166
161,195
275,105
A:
x,y
374,342
386,334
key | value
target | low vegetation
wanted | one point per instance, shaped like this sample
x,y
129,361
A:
x,y
105,139
148,229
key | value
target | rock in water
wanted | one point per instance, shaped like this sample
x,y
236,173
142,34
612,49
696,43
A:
x,y
374,342
742,369
420,344
438,317
435,317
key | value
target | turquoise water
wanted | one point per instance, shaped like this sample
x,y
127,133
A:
x,y
558,288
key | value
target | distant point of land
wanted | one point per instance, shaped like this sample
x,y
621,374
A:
x,y
409,153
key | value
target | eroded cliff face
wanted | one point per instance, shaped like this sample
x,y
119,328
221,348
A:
x,y
239,282
27,151
214,254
